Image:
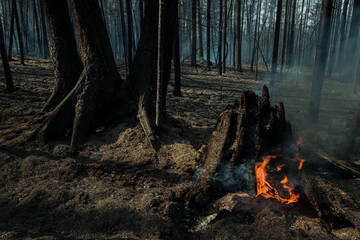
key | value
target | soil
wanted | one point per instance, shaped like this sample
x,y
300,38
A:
x,y
118,187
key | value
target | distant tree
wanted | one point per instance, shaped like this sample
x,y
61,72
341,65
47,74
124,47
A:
x,y
208,39
8,78
238,34
352,42
193,33
130,31
176,56
343,33
220,37
276,43
46,52
199,34
291,40
322,48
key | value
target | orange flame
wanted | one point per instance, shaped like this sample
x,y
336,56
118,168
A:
x,y
265,189
221,114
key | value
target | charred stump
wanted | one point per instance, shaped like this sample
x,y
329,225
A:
x,y
245,132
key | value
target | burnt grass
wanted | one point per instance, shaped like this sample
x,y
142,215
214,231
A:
x,y
117,187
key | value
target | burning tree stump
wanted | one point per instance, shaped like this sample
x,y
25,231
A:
x,y
245,132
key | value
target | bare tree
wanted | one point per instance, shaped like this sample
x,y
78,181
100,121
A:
x,y
8,78
322,48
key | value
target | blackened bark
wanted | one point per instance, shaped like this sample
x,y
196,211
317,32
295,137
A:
x,y
238,34
21,45
123,29
243,134
220,37
130,31
290,47
343,33
176,55
199,30
99,85
46,52
193,33
8,78
276,43
37,27
285,35
63,49
11,37
352,42
322,48
208,22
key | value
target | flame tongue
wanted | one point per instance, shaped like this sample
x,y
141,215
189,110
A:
x,y
266,190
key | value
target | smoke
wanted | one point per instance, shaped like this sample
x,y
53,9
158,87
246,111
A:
x,y
234,178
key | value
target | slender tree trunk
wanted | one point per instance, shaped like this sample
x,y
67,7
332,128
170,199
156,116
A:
x,y
276,43
37,28
160,65
336,16
193,35
199,30
290,47
46,52
322,49
63,49
220,38
123,32
255,39
238,33
8,78
141,14
130,31
352,42
343,33
12,24
225,37
285,35
208,23
176,56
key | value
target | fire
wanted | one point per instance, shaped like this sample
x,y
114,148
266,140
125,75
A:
x,y
266,190
221,114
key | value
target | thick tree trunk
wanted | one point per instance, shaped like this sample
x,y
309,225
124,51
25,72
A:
x,y
322,48
8,78
141,83
276,44
98,86
63,49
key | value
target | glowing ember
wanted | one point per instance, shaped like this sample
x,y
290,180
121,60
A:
x,y
221,114
266,190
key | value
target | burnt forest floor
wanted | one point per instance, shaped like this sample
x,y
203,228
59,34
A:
x,y
119,188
